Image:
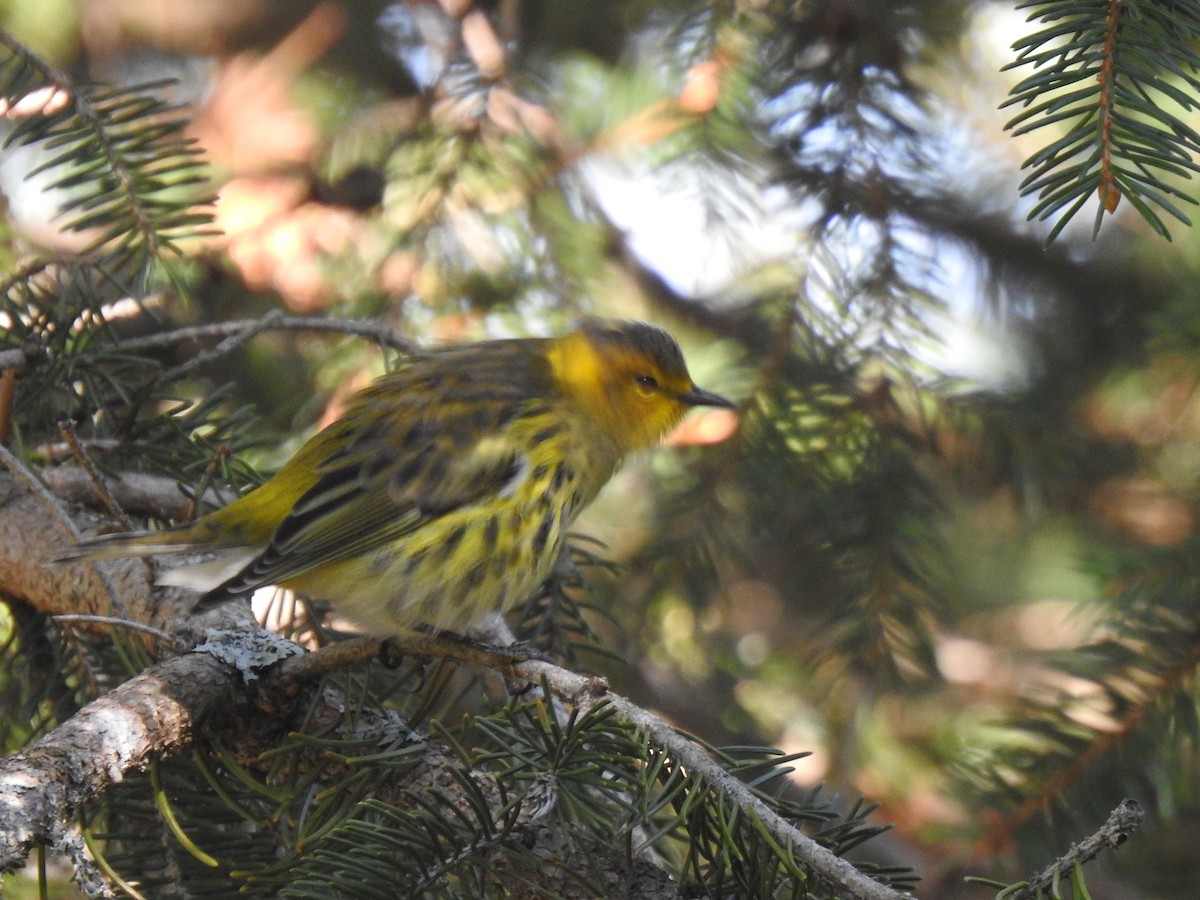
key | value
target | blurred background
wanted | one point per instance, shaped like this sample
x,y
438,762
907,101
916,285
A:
x,y
948,544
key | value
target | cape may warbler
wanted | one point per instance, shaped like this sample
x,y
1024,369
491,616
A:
x,y
446,489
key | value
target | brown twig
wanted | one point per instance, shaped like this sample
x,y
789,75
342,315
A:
x,y
120,623
1108,191
67,429
8,391
331,658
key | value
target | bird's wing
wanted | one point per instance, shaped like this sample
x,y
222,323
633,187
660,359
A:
x,y
374,490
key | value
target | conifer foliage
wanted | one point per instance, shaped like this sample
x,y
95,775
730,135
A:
x,y
959,584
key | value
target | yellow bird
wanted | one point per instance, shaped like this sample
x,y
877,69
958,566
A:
x,y
445,491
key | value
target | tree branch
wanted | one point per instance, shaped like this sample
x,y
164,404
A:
x,y
148,717
1121,822
157,713
588,692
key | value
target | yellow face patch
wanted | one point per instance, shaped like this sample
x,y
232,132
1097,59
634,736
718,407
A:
x,y
628,378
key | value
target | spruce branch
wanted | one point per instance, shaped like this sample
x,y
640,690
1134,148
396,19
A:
x,y
132,182
1111,74
339,655
589,693
1143,672
1120,824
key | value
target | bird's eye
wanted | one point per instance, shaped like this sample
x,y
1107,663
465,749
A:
x,y
646,381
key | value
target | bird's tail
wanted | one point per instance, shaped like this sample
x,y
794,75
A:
x,y
135,543
220,563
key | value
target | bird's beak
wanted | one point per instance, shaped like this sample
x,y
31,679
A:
x,y
700,397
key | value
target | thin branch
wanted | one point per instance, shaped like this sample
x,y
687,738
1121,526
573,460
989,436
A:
x,y
238,333
121,623
67,429
224,348
157,712
1121,823
273,321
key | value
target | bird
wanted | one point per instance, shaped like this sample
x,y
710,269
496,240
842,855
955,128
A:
x,y
445,490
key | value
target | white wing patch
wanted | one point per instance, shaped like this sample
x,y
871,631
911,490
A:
x,y
205,575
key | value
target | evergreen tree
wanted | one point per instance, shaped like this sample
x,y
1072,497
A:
x,y
947,546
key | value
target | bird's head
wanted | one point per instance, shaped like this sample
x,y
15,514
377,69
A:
x,y
629,378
